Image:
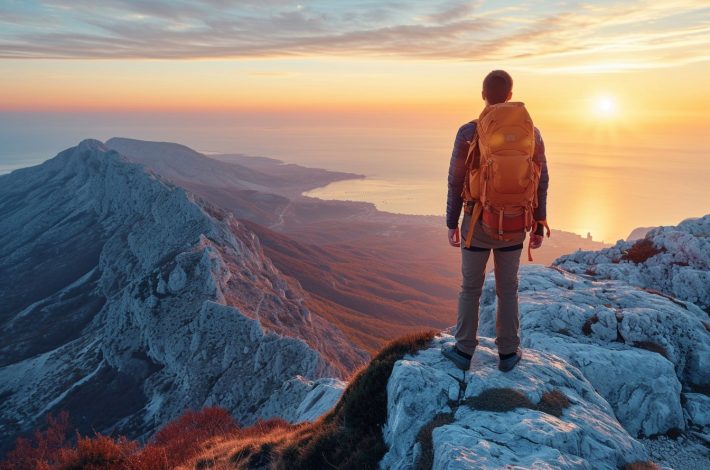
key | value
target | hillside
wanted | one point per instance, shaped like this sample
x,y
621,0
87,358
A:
x,y
374,274
121,288
613,376
609,370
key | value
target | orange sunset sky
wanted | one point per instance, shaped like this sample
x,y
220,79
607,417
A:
x,y
616,75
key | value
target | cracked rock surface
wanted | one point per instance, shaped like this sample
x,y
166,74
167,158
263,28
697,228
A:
x,y
680,266
585,435
638,349
127,301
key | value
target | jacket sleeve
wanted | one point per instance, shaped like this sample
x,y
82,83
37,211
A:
x,y
540,158
457,174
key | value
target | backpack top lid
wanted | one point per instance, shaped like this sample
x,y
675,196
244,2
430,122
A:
x,y
510,108
506,126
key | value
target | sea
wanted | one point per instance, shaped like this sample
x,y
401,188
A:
x,y
598,187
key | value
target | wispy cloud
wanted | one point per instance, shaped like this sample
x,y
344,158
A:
x,y
639,34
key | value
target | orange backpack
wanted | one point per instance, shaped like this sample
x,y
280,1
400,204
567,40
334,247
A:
x,y
501,176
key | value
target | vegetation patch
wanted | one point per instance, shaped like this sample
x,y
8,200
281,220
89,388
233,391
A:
x,y
177,442
587,327
701,388
347,437
553,403
653,347
641,251
508,399
499,400
424,437
647,465
350,436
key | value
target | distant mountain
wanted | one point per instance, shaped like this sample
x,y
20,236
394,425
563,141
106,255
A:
x,y
126,301
374,274
638,233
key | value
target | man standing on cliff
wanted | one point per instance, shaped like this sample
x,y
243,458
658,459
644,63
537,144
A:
x,y
502,231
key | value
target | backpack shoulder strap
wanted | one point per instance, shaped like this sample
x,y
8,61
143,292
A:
x,y
473,158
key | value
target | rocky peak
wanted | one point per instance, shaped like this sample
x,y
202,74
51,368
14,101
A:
x,y
543,414
123,289
674,260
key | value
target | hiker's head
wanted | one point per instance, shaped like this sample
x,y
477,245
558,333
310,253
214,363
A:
x,y
497,87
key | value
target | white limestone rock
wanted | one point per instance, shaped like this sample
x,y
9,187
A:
x,y
300,399
697,407
601,327
586,435
640,385
122,288
680,269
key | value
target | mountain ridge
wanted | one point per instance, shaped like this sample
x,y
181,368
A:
x,y
167,286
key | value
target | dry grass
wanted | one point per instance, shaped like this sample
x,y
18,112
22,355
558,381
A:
x,y
347,437
641,251
508,399
553,403
653,347
647,465
587,327
499,400
424,438
177,442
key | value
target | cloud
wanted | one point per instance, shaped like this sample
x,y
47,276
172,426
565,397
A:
x,y
644,33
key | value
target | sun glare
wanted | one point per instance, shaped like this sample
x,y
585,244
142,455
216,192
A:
x,y
605,106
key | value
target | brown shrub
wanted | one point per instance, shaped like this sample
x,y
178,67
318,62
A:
x,y
647,465
176,443
96,453
424,438
500,400
587,327
641,251
553,403
182,438
508,399
651,346
40,451
150,457
349,436
701,388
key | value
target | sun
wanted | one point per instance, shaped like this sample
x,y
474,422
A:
x,y
605,106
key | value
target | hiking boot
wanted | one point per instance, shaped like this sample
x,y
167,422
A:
x,y
458,357
507,364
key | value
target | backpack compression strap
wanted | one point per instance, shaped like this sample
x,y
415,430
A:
x,y
534,229
477,210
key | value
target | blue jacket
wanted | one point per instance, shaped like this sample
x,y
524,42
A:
x,y
457,175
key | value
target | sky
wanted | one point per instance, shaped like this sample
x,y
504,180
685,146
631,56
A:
x,y
619,78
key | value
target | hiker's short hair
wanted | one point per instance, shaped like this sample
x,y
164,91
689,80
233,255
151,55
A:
x,y
497,86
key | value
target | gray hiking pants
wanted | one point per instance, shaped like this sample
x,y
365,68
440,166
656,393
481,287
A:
x,y
473,268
